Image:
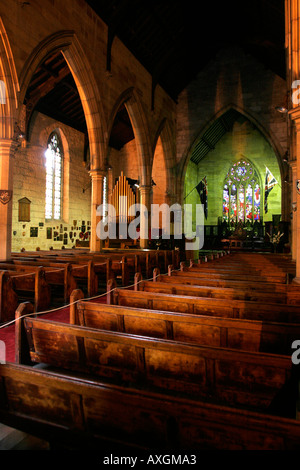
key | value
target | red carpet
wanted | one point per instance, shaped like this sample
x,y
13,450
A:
x,y
7,334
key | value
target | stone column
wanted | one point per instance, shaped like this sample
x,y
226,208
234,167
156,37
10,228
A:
x,y
295,115
96,200
293,209
145,216
7,151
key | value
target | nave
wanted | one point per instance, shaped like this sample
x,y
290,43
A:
x,y
184,355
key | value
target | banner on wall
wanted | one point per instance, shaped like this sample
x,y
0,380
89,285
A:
x,y
270,182
202,191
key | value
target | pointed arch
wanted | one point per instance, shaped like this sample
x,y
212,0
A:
x,y
68,44
164,133
267,134
9,87
139,123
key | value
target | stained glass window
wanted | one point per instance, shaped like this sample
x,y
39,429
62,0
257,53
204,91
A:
x,y
53,163
241,193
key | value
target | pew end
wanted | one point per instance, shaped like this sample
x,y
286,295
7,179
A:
x,y
22,352
156,273
137,279
76,295
111,286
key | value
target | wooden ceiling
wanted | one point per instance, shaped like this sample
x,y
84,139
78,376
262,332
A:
x,y
173,40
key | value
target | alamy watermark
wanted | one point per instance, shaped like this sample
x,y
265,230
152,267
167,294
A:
x,y
2,352
177,222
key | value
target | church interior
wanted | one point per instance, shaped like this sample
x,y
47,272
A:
x,y
149,255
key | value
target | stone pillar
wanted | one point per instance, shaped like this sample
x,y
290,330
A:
x,y
145,216
96,199
295,114
7,151
293,210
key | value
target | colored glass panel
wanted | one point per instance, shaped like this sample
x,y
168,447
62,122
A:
x,y
241,214
233,204
257,202
226,203
249,202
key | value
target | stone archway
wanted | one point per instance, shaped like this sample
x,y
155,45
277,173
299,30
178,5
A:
x,y
267,135
68,44
163,135
8,139
139,125
215,150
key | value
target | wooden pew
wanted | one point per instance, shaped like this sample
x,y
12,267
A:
x,y
83,267
204,306
9,299
15,287
249,335
282,278
193,278
251,262
96,272
257,381
84,274
56,275
171,285
124,263
77,414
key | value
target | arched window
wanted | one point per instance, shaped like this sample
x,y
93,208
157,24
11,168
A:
x,y
241,194
53,156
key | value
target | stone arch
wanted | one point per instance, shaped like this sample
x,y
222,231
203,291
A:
x,y
139,123
267,134
9,87
164,134
68,44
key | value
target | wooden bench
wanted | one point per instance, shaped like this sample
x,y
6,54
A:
x,y
15,287
282,278
96,273
257,381
249,335
291,291
243,283
77,414
56,275
260,262
204,306
174,285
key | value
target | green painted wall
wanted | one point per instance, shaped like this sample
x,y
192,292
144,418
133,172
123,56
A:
x,y
244,141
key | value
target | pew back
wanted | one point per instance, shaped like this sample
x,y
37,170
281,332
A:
x,y
254,380
83,415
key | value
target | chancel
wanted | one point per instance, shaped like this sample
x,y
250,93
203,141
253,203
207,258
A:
x,y
149,253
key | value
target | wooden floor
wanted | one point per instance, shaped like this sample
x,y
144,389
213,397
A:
x,y
12,439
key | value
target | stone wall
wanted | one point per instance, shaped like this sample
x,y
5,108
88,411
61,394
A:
x,y
30,183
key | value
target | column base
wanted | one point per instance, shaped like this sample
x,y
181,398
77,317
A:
x,y
296,281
